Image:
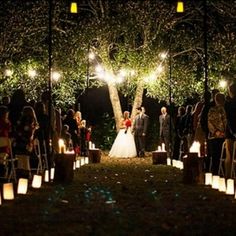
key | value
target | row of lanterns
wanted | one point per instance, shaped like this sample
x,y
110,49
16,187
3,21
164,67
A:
x,y
22,187
220,183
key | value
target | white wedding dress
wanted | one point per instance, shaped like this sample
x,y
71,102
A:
x,y
124,145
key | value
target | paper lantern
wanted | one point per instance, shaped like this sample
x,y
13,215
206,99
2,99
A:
x,y
86,160
74,165
37,181
215,181
208,178
82,161
230,187
180,7
77,163
222,186
168,161
8,191
73,7
46,176
52,173
22,186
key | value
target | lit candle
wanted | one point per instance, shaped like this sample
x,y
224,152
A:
x,y
215,181
168,161
93,146
163,147
90,145
37,181
8,191
52,173
22,186
61,145
46,176
82,161
159,148
77,163
230,187
86,160
208,178
222,186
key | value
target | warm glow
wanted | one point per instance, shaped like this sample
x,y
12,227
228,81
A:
x,y
32,73
8,191
180,7
56,76
208,178
163,55
222,185
123,73
46,176
119,79
52,173
22,186
8,72
159,69
215,181
37,181
223,84
91,55
195,148
73,7
230,187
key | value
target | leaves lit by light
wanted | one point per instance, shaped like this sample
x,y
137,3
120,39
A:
x,y
56,76
91,55
223,84
8,72
32,73
163,55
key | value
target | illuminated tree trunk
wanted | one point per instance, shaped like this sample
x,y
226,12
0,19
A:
x,y
138,99
115,102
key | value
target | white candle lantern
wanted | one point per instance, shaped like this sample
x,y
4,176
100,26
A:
x,y
93,146
215,181
82,161
77,163
174,163
22,186
208,178
86,160
230,187
163,148
159,148
74,165
181,165
90,145
168,161
61,145
8,191
195,148
222,186
46,176
37,181
52,173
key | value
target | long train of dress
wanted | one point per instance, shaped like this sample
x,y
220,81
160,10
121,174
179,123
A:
x,y
124,145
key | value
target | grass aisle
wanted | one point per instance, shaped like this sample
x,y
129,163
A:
x,y
121,197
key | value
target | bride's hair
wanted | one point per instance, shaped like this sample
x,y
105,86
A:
x,y
126,114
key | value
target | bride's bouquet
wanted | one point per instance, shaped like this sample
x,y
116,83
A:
x,y
127,125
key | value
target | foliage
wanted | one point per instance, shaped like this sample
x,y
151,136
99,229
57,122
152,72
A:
x,y
123,34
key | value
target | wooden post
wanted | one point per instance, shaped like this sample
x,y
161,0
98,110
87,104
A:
x,y
64,167
94,155
193,171
159,158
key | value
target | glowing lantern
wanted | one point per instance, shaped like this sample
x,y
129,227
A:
x,y
208,178
22,186
73,8
222,186
230,187
215,181
37,181
46,176
180,7
8,191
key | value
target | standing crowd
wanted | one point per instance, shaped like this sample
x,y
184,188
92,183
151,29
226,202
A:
x,y
23,122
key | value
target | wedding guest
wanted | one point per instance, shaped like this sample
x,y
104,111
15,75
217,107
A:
x,y
124,145
26,127
230,109
73,128
217,125
83,138
65,135
140,131
179,133
15,107
5,127
166,126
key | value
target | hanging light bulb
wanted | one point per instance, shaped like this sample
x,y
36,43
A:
x,y
73,8
180,7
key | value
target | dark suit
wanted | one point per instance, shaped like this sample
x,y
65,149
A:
x,y
140,131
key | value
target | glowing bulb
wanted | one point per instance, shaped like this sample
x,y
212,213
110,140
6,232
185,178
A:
x,y
223,84
91,56
56,76
32,73
8,72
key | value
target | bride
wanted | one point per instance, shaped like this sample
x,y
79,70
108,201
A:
x,y
124,145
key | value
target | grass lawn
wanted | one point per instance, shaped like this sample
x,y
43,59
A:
x,y
120,197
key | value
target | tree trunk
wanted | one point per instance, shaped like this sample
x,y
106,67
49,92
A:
x,y
138,99
115,102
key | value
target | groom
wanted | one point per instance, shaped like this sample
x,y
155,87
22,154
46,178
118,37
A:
x,y
140,130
